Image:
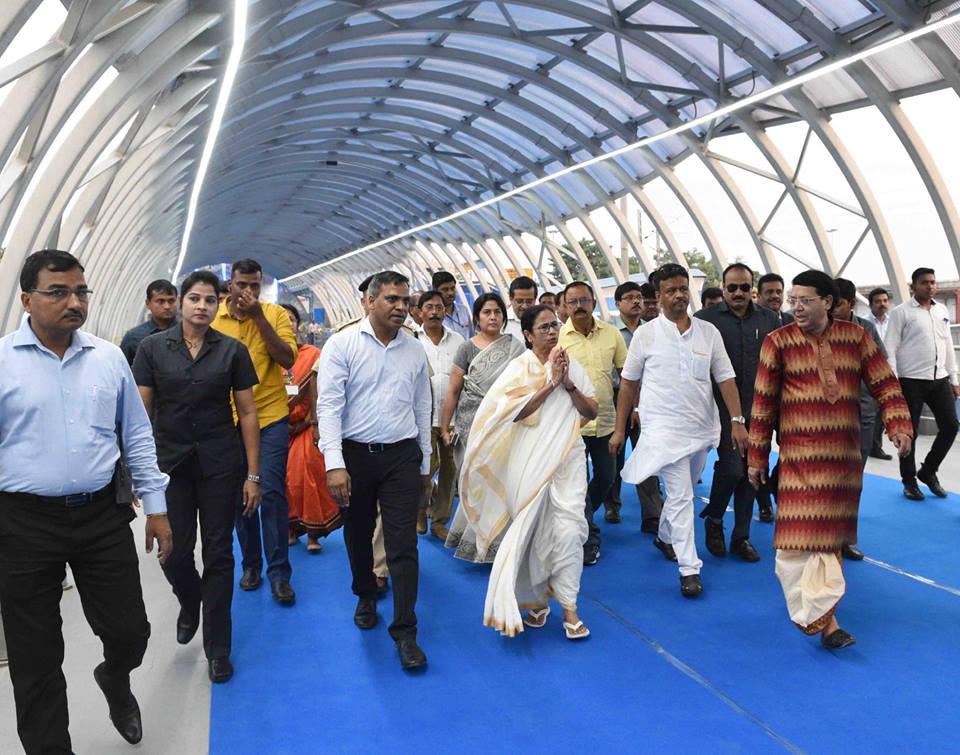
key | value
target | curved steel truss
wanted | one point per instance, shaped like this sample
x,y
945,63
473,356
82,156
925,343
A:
x,y
353,120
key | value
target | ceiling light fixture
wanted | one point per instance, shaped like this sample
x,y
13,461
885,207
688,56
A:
x,y
229,76
745,102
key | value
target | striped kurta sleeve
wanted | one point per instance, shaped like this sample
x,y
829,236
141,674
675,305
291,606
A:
x,y
766,403
885,388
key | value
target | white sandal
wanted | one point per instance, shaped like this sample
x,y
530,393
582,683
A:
x,y
537,614
572,632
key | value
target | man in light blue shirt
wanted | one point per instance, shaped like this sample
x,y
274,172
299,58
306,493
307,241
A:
x,y
64,394
458,317
373,413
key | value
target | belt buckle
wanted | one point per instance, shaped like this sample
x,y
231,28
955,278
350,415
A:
x,y
375,448
77,499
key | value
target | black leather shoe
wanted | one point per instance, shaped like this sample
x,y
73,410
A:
x,y
590,556
250,580
744,548
611,514
716,543
911,491
651,526
837,639
851,552
931,481
666,549
879,453
219,670
412,657
766,513
691,586
365,616
186,627
124,714
283,593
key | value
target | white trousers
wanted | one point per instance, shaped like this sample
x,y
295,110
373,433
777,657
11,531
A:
x,y
676,520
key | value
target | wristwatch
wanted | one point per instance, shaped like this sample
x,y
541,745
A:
x,y
254,478
739,420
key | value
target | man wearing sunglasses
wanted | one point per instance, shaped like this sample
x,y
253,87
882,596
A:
x,y
64,394
743,326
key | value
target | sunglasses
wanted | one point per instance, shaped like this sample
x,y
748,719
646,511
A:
x,y
732,288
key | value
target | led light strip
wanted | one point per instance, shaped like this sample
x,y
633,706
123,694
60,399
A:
x,y
792,83
229,76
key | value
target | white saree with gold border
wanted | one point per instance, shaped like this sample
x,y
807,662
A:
x,y
522,491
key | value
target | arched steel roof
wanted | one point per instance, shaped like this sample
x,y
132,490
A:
x,y
355,120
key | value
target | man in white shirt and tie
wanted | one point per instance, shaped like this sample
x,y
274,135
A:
x,y
523,295
441,344
373,412
920,351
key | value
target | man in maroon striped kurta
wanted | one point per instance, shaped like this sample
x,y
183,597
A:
x,y
809,378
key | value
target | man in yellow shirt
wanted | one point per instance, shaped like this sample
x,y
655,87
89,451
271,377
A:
x,y
599,348
266,332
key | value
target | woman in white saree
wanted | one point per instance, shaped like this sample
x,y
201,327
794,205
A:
x,y
523,483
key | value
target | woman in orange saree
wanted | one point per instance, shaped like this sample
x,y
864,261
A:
x,y
312,509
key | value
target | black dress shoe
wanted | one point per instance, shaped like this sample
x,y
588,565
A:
x,y
283,593
930,480
851,552
716,543
611,514
766,513
591,556
250,580
666,549
186,627
691,586
124,713
837,639
744,548
911,491
411,656
365,616
651,526
879,453
219,670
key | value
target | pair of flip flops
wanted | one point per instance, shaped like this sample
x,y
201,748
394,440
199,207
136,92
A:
x,y
537,618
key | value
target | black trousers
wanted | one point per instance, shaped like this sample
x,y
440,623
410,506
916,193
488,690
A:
x,y
392,477
597,451
36,541
938,395
190,496
730,479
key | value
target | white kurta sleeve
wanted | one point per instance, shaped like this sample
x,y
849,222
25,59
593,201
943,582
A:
x,y
633,366
720,366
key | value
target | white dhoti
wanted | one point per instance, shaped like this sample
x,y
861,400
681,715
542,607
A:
x,y
812,585
522,489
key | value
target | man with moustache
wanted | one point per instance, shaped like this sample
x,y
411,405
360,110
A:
x,y
458,318
68,403
440,344
629,299
770,296
650,305
523,295
373,411
879,301
711,296
162,306
669,367
266,331
549,299
921,353
601,351
743,326
562,307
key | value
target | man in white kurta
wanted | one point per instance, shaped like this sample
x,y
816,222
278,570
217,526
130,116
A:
x,y
672,358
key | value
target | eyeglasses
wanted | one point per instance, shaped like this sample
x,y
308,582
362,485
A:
x,y
584,300
732,288
803,301
82,293
548,326
631,299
